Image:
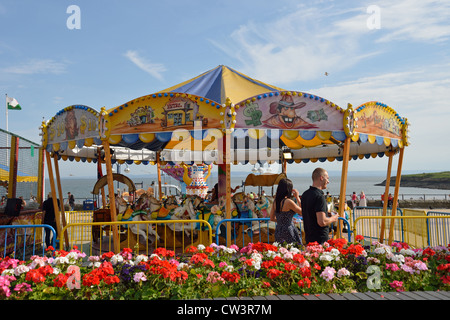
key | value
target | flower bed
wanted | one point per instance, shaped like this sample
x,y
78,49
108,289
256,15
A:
x,y
258,269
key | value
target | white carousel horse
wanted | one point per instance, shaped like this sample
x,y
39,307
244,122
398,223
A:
x,y
250,205
146,206
185,211
264,205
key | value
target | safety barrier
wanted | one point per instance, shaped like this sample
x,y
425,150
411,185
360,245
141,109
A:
x,y
371,212
413,230
96,238
438,229
338,232
20,239
358,212
74,217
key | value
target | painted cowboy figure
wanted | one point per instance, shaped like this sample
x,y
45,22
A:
x,y
284,115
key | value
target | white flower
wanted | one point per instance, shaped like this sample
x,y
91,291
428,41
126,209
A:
x,y
61,260
21,269
201,247
288,256
294,250
229,250
407,252
117,258
256,256
398,258
335,252
182,266
141,257
270,254
7,272
343,272
326,257
229,268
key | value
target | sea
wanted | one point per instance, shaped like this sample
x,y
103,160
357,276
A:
x,y
81,188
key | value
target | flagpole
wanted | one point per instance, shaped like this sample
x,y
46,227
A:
x,y
6,105
7,136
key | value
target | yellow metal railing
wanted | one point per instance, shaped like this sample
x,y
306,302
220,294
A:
x,y
77,232
413,230
95,238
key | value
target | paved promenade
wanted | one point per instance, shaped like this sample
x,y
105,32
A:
x,y
413,295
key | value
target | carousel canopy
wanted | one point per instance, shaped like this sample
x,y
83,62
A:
x,y
263,180
103,181
186,123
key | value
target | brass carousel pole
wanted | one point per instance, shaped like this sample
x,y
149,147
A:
x,y
61,197
158,170
112,198
344,173
54,198
397,187
385,197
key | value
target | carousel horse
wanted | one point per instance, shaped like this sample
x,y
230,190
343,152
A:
x,y
185,211
239,197
263,206
123,209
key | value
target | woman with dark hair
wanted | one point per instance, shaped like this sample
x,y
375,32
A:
x,y
282,212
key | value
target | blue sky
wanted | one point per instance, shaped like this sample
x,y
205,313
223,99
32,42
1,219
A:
x,y
127,49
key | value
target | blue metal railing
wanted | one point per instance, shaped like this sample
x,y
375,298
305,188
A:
x,y
25,236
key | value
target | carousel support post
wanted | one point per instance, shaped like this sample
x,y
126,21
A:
x,y
54,198
99,175
13,163
284,166
158,170
224,183
61,197
112,198
228,184
41,172
342,201
397,187
386,192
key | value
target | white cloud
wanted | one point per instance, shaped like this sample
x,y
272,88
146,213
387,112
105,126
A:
x,y
37,66
307,41
416,20
300,46
154,69
421,95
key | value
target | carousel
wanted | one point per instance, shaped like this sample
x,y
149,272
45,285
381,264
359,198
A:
x,y
218,119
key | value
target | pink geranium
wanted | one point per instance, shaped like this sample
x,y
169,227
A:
x,y
328,273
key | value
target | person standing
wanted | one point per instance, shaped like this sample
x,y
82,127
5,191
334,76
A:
x,y
362,200
71,200
354,200
49,218
282,212
316,218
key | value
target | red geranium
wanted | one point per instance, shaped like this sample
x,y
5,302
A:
x,y
60,280
290,267
304,283
35,276
231,277
273,273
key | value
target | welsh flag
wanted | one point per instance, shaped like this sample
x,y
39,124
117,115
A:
x,y
12,104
